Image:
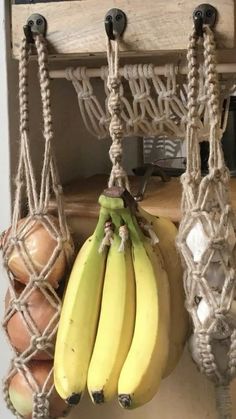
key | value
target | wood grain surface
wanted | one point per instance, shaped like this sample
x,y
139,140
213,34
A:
x,y
76,28
81,196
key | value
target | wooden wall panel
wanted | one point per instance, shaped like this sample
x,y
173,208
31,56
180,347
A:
x,y
76,28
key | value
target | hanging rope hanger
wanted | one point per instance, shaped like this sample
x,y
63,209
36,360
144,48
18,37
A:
x,y
35,197
115,22
207,231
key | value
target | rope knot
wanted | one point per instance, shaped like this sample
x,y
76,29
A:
x,y
85,95
141,97
114,105
158,119
116,151
18,305
41,405
124,235
166,95
38,281
118,172
215,175
40,342
108,236
217,243
113,82
196,276
18,362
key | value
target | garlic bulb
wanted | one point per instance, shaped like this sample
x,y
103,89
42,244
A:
x,y
215,276
198,240
205,314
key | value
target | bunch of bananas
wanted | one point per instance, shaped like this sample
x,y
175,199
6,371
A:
x,y
123,324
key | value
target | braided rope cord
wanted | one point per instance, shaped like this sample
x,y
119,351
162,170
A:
x,y
118,176
209,220
14,239
152,105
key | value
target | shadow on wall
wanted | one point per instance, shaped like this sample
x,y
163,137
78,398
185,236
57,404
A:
x,y
185,394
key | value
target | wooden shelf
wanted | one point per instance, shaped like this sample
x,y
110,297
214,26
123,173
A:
x,y
76,28
161,198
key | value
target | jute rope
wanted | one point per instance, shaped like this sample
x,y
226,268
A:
x,y
208,220
118,176
37,200
152,105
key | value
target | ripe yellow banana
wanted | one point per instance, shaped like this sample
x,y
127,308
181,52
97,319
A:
x,y
145,363
116,323
166,233
79,317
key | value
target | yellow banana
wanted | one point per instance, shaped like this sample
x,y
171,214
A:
x,y
79,317
116,323
145,363
166,233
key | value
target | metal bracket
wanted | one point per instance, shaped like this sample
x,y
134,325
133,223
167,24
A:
x,y
36,24
115,23
204,14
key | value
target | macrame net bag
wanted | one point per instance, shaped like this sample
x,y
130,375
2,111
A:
x,y
154,100
41,276
207,234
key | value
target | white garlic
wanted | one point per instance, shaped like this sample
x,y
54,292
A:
x,y
205,313
198,241
215,276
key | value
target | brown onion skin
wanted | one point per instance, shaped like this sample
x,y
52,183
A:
x,y
41,312
40,245
19,385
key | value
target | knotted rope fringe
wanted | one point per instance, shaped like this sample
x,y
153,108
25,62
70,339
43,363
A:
x,y
14,240
152,105
118,176
207,234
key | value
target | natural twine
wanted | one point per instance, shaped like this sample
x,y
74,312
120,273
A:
x,y
152,105
206,202
37,201
118,176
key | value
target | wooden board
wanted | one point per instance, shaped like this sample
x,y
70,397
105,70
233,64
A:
x,y
81,197
76,28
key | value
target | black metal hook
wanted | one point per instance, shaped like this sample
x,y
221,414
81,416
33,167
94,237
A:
x,y
36,24
115,23
204,14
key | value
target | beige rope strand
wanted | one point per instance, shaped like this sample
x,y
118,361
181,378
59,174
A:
x,y
25,164
118,176
216,159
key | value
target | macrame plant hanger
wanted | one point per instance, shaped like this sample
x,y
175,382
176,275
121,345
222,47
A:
x,y
154,100
207,234
37,200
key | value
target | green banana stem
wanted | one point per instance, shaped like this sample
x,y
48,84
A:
x,y
104,216
111,203
133,226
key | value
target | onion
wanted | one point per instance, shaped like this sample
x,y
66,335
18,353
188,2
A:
x,y
22,387
40,245
41,312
